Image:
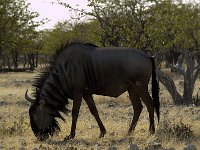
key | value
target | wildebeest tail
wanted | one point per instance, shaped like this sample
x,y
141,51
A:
x,y
155,90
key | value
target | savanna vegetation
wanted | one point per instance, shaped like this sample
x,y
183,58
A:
x,y
166,29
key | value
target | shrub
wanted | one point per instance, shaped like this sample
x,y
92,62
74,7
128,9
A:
x,y
176,131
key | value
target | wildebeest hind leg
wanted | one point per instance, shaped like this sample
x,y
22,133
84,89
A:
x,y
146,98
137,107
92,107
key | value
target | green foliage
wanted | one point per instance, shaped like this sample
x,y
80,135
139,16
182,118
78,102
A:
x,y
121,22
65,31
149,25
174,25
85,31
152,25
17,26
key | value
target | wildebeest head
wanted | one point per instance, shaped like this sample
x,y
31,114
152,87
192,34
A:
x,y
42,118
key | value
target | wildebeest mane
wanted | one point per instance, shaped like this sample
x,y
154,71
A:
x,y
42,77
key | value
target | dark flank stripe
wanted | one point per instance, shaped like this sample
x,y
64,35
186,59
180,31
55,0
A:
x,y
63,78
56,99
58,81
56,89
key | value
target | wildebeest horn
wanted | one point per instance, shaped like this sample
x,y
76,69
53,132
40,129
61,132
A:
x,y
28,98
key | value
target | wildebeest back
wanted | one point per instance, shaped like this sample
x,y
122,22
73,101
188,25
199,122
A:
x,y
104,71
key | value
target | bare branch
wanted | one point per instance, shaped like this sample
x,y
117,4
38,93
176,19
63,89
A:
x,y
196,73
177,69
97,15
196,66
81,11
79,17
180,62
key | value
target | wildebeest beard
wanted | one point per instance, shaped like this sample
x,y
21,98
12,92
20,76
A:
x,y
43,122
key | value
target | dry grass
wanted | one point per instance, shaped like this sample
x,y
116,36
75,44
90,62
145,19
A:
x,y
179,125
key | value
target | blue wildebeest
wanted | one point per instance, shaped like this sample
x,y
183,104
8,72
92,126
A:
x,y
80,70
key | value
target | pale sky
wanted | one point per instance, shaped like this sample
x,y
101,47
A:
x,y
54,12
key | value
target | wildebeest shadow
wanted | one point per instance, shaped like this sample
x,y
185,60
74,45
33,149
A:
x,y
22,103
4,103
101,143
69,142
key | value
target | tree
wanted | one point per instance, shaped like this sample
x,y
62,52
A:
x,y
66,31
182,32
18,30
121,23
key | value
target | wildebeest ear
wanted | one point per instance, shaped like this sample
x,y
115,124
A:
x,y
42,102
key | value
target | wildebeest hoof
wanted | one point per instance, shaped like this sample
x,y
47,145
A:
x,y
129,133
152,130
68,138
130,130
102,134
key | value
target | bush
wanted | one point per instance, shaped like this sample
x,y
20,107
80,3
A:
x,y
177,131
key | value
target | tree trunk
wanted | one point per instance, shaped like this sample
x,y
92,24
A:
x,y
8,62
3,62
31,61
190,75
15,56
25,61
188,90
36,60
0,57
170,86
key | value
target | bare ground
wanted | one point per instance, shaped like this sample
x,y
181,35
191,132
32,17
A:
x,y
179,125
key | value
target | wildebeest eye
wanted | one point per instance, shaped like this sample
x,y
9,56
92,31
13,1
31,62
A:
x,y
42,117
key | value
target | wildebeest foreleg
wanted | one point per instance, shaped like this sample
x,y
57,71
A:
x,y
92,107
137,107
75,112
